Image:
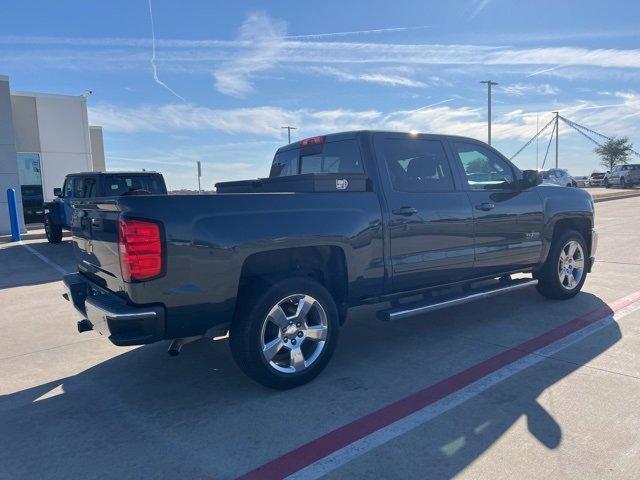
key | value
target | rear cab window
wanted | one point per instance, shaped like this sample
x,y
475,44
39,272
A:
x,y
115,185
341,156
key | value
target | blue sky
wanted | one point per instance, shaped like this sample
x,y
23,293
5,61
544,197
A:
x,y
230,74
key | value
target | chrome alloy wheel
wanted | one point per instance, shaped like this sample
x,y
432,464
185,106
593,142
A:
x,y
294,333
571,265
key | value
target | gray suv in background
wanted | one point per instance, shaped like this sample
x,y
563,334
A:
x,y
624,176
558,176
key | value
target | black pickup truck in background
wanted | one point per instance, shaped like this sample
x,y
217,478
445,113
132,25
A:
x,y
343,220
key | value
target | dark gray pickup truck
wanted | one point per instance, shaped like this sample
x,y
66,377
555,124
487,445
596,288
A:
x,y
414,222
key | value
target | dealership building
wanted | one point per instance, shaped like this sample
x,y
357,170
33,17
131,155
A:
x,y
43,137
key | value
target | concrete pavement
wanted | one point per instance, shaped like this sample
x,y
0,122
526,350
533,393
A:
x,y
74,405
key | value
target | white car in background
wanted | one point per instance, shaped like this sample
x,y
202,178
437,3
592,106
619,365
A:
x,y
558,176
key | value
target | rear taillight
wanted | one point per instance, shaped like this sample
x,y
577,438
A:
x,y
140,246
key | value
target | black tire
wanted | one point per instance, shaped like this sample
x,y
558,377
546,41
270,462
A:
x,y
51,230
549,283
246,336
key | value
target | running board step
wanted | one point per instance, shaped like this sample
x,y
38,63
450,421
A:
x,y
452,300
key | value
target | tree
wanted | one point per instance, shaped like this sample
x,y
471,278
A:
x,y
614,152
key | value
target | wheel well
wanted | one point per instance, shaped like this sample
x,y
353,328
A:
x,y
325,264
582,225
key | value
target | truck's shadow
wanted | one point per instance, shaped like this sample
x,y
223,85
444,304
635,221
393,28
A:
x,y
144,415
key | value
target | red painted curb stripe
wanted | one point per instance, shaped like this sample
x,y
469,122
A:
x,y
333,441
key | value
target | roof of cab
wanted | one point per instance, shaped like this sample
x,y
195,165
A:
x,y
334,137
146,172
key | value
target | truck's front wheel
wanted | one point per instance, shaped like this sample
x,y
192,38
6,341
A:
x,y
565,269
285,335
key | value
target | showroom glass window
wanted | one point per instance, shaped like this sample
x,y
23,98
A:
x,y
30,178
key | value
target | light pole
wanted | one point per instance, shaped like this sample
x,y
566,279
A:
x,y
557,135
289,128
489,85
199,175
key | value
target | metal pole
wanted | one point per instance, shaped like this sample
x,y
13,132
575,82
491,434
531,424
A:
x,y
557,135
12,203
537,131
199,175
489,85
289,128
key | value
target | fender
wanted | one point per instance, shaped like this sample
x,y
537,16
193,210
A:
x,y
561,204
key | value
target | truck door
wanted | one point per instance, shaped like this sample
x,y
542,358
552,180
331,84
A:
x,y
430,220
508,220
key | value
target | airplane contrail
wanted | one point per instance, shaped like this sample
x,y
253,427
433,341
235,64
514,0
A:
x,y
358,32
544,71
153,58
432,105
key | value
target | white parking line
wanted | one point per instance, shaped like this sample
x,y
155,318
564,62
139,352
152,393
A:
x,y
60,270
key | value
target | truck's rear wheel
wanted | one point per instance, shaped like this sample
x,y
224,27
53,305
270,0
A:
x,y
285,335
51,230
565,270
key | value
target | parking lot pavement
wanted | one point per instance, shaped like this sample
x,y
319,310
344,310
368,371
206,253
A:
x,y
74,405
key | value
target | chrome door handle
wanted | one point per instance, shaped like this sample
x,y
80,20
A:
x,y
485,206
405,211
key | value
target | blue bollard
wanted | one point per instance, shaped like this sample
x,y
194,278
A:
x,y
12,203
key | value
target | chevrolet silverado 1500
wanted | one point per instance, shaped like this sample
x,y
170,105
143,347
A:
x,y
343,220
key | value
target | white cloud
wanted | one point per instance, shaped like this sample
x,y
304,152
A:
x,y
263,38
371,77
265,121
520,89
262,45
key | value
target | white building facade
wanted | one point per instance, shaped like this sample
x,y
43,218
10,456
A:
x,y
43,137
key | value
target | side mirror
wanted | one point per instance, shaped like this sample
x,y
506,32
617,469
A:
x,y
530,178
57,192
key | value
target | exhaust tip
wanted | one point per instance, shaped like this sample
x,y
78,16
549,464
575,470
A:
x,y
84,326
178,343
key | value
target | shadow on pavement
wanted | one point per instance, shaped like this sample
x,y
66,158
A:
x,y
142,414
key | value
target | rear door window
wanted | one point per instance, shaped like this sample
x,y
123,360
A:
x,y
417,165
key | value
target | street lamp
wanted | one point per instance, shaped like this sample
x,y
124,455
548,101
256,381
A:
x,y
489,85
289,128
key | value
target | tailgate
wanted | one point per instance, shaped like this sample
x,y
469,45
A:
x,y
95,238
